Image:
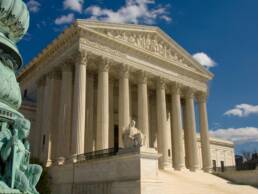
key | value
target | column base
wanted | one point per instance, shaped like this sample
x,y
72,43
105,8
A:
x,y
48,163
73,159
180,168
60,161
194,169
207,170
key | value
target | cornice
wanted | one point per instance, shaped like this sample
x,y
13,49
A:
x,y
150,29
103,41
218,142
50,51
182,50
110,25
79,28
140,53
121,58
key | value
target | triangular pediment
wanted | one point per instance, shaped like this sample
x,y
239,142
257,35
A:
x,y
149,39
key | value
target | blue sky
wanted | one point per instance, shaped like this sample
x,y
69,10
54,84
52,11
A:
x,y
223,34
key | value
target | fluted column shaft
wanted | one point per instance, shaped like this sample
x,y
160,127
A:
x,y
39,117
186,135
163,135
111,113
79,106
124,103
65,114
47,98
55,112
177,130
49,119
191,129
103,108
89,131
204,132
143,113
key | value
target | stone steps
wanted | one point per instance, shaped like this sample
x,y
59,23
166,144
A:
x,y
186,182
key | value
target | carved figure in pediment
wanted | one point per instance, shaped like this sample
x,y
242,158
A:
x,y
110,33
125,36
140,41
148,42
161,49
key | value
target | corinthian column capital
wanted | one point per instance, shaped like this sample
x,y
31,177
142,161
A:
x,y
55,74
176,88
189,93
161,84
142,77
201,97
105,65
41,81
67,66
81,58
124,71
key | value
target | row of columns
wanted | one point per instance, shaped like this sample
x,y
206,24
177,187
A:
x,y
72,114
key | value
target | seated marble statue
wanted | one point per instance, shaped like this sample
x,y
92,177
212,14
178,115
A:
x,y
19,173
133,137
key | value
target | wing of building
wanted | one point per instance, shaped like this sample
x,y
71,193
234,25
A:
x,y
93,79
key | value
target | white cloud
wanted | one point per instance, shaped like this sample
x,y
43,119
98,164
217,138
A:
x,y
237,135
33,6
204,60
242,110
65,19
41,24
134,11
75,5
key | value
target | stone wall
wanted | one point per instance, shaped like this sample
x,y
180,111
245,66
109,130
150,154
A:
x,y
121,174
221,151
247,177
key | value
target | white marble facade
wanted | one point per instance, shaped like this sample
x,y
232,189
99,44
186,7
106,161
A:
x,y
96,77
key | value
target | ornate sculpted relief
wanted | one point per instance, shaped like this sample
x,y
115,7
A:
x,y
145,40
101,47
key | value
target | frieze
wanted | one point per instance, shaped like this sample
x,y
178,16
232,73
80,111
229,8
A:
x,y
101,47
148,41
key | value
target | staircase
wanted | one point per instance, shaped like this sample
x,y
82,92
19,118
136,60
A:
x,y
185,182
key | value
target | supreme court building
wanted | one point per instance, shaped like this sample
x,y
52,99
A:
x,y
82,91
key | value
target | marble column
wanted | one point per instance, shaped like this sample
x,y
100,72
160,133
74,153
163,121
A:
x,y
103,107
49,121
143,113
89,130
152,118
55,112
39,118
124,102
79,105
177,130
46,100
204,132
186,135
111,113
65,114
191,130
163,133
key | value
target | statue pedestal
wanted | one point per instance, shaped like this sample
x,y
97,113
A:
x,y
131,171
